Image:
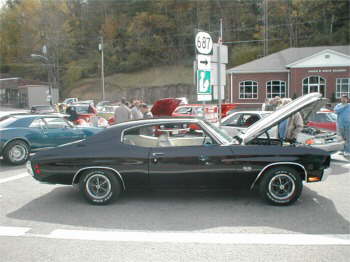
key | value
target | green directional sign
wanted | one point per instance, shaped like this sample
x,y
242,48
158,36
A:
x,y
204,88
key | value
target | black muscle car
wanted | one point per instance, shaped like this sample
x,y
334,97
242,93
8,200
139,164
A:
x,y
185,153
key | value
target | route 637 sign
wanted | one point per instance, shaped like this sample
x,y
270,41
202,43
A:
x,y
204,43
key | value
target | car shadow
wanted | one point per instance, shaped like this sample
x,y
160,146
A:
x,y
186,211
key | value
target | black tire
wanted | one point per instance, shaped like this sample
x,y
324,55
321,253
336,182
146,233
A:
x,y
16,152
109,187
281,186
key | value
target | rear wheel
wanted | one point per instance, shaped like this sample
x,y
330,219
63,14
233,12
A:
x,y
16,152
100,187
281,186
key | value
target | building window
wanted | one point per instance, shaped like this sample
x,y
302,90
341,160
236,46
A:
x,y
248,90
343,87
314,84
276,88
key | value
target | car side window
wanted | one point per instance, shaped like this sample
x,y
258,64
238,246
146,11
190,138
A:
x,y
37,123
232,121
52,123
168,135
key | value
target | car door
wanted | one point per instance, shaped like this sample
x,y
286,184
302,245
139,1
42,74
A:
x,y
188,157
58,131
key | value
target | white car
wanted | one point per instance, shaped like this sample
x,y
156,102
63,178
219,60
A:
x,y
237,122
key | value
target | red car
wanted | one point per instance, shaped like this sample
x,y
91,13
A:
x,y
175,107
324,120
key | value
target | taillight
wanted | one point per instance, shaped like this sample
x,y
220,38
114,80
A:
x,y
37,169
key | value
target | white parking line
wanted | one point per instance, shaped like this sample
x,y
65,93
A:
x,y
13,231
185,237
203,238
11,178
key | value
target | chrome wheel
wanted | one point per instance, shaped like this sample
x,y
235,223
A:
x,y
98,186
281,186
18,153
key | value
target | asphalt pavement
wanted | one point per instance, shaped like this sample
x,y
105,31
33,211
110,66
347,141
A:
x,y
41,222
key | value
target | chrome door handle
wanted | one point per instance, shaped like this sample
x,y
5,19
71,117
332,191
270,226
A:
x,y
203,158
156,155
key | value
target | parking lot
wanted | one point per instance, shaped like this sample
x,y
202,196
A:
x,y
189,226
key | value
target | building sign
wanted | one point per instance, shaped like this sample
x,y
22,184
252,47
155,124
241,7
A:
x,y
339,70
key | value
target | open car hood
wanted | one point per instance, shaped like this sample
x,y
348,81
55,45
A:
x,y
306,105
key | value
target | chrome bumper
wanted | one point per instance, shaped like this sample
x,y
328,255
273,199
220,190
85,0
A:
x,y
29,168
326,173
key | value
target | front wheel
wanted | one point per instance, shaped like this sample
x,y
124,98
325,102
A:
x,y
281,186
99,187
16,152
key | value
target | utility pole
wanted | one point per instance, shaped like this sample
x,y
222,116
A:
x,y
219,74
102,68
266,28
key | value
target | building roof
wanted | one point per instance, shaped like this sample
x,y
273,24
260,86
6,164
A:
x,y
277,62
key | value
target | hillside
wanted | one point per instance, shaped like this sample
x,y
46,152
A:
x,y
154,77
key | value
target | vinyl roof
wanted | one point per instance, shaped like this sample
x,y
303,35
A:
x,y
277,62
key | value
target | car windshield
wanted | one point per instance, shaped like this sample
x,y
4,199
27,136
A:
x,y
223,136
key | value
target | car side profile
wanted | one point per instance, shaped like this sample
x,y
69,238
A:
x,y
184,153
22,134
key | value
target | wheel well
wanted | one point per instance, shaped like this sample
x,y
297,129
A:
x,y
301,171
17,139
80,172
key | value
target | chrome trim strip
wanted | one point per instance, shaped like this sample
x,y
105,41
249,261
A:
x,y
99,167
278,163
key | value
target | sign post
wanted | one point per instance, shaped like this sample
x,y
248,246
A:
x,y
204,49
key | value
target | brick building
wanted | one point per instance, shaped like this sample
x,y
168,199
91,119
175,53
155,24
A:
x,y
291,73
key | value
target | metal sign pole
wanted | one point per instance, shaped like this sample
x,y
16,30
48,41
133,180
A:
x,y
219,74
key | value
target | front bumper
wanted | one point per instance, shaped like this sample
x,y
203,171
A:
x,y
30,168
330,147
326,173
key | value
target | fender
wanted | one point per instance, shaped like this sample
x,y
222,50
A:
x,y
99,167
274,164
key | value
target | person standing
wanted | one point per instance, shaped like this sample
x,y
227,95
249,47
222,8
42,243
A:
x,y
135,110
289,128
145,111
343,122
122,113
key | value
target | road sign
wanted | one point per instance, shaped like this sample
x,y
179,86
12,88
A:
x,y
223,54
204,88
204,43
203,62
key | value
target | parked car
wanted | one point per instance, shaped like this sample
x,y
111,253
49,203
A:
x,y
237,122
42,109
70,100
208,112
107,112
163,153
100,105
23,134
165,106
324,120
82,111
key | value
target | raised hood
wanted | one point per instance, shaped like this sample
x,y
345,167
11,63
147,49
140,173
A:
x,y
306,105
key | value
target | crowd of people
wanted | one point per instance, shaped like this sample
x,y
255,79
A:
x,y
135,110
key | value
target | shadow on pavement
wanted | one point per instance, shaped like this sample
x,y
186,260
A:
x,y
186,211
